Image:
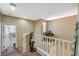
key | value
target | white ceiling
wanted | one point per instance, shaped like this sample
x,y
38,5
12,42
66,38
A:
x,y
36,11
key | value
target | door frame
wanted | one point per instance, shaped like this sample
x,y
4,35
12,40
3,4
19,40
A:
x,y
3,34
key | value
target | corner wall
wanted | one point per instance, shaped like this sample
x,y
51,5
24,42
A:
x,y
38,27
63,27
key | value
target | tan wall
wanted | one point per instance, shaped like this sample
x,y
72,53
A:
x,y
0,34
38,27
63,27
23,26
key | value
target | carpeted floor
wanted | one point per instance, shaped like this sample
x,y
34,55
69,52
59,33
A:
x,y
28,53
14,52
11,52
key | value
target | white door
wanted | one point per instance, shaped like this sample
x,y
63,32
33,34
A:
x,y
5,36
12,35
9,36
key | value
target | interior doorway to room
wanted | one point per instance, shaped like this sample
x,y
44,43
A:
x,y
9,36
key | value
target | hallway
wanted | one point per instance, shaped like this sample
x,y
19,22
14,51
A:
x,y
14,52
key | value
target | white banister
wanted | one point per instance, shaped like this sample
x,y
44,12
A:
x,y
41,43
45,43
55,47
52,46
63,48
59,47
68,49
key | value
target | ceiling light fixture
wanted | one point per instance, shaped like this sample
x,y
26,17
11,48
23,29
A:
x,y
24,17
12,6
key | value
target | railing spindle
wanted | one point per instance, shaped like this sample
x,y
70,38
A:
x,y
68,49
47,45
59,47
55,47
52,43
43,43
63,48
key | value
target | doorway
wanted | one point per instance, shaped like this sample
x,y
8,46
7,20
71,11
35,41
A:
x,y
9,36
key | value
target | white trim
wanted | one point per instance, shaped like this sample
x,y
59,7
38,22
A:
x,y
42,52
49,52
54,38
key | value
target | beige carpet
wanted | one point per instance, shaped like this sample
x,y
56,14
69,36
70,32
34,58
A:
x,y
28,53
15,52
